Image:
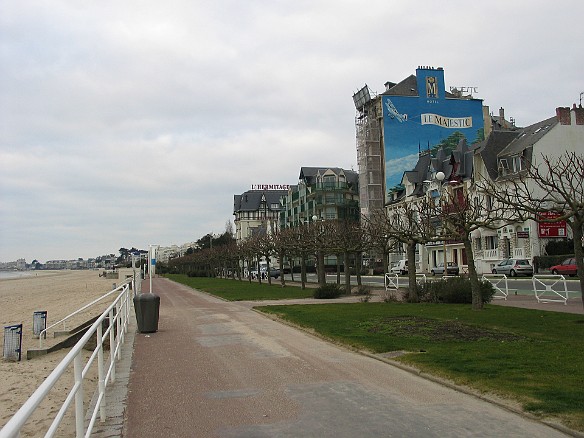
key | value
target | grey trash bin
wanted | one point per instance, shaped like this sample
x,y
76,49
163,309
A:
x,y
147,307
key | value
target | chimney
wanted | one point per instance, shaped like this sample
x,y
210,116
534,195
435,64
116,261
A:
x,y
563,115
579,113
502,121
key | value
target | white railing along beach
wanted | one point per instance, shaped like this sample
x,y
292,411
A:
x,y
118,314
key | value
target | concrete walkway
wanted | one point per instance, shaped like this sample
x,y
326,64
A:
x,y
219,369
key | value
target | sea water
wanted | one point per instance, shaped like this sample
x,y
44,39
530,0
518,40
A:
x,y
6,275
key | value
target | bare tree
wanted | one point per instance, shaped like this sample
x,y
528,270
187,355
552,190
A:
x,y
462,211
347,238
301,245
547,185
408,222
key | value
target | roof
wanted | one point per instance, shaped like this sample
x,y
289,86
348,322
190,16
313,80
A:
x,y
407,87
251,200
490,148
309,174
419,174
527,137
508,143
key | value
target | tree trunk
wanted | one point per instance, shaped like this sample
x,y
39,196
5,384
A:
x,y
303,271
347,274
281,262
384,258
475,286
320,267
338,257
268,270
413,287
358,266
579,252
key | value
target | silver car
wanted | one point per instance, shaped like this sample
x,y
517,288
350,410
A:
x,y
451,269
513,267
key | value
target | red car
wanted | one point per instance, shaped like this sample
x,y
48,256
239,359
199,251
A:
x,y
567,267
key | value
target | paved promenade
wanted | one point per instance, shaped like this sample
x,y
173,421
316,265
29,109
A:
x,y
219,369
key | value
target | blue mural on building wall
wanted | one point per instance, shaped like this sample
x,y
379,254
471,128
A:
x,y
425,121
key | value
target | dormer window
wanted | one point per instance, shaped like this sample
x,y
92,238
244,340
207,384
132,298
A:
x,y
517,163
503,166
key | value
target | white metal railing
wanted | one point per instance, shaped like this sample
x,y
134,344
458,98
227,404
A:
x,y
553,285
501,285
391,281
118,313
43,333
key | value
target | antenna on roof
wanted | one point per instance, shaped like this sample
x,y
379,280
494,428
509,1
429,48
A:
x,y
581,94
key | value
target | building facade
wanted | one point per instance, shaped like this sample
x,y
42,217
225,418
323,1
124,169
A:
x,y
416,114
325,193
256,210
500,158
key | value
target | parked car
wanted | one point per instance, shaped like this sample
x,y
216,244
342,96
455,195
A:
x,y
567,267
514,267
451,269
400,267
274,273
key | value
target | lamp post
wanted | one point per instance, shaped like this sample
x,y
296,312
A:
x,y
440,177
152,262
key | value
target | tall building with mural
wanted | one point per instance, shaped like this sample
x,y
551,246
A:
x,y
409,117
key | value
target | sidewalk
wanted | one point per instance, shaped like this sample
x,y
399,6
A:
x,y
573,305
218,369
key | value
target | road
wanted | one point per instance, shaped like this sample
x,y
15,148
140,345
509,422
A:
x,y
523,285
219,369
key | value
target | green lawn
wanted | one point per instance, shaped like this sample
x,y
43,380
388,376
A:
x,y
533,356
235,290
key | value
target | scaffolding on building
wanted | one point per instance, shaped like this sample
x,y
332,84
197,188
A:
x,y
369,151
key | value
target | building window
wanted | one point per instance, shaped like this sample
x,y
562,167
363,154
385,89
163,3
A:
x,y
478,244
491,242
489,203
517,163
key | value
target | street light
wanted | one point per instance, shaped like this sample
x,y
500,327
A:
x,y
440,177
152,249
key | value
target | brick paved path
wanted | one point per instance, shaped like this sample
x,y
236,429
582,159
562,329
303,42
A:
x,y
219,369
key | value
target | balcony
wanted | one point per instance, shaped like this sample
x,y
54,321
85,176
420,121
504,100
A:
x,y
329,186
337,203
491,254
519,253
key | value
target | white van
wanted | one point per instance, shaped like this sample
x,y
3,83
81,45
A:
x,y
400,267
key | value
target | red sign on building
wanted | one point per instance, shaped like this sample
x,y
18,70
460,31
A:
x,y
551,229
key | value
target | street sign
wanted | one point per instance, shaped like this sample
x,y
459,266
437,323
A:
x,y
551,229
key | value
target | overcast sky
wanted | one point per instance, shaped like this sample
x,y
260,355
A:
x,y
129,123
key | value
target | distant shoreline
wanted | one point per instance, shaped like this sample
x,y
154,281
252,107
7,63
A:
x,y
15,275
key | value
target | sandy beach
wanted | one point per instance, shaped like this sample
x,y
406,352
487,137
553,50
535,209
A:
x,y
59,293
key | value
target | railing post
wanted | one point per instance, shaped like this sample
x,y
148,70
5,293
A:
x,y
79,414
112,347
120,333
100,371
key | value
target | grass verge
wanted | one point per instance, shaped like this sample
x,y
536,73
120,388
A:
x,y
235,290
534,357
